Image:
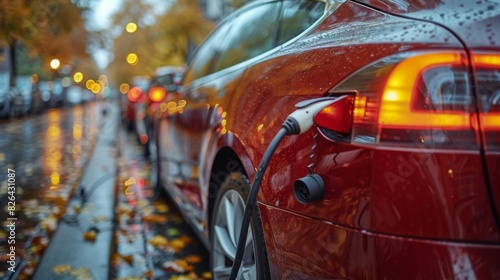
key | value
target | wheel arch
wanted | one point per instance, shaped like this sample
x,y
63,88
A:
x,y
225,162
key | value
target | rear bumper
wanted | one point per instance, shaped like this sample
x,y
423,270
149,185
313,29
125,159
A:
x,y
303,248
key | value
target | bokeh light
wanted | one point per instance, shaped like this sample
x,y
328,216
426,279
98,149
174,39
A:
x,y
55,63
78,77
89,84
96,88
131,27
66,82
124,88
104,79
132,58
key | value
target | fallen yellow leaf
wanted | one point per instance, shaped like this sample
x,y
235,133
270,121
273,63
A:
x,y
90,235
156,219
193,259
62,268
158,241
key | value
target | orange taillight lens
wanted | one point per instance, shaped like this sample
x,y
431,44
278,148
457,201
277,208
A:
x,y
157,94
430,78
134,94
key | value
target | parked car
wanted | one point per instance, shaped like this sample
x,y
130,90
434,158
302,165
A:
x,y
24,95
56,94
410,160
74,95
161,89
134,96
6,98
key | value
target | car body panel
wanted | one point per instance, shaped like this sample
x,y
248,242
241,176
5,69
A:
x,y
191,135
337,252
475,22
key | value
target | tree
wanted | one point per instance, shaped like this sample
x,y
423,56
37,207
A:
x,y
161,39
181,25
45,28
14,28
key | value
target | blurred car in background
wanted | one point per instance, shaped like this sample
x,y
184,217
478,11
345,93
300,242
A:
x,y
45,88
24,95
56,94
74,95
87,95
409,151
134,96
162,88
6,98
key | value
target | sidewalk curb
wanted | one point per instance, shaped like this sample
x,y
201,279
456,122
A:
x,y
69,254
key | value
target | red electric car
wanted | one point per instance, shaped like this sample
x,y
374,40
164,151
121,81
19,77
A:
x,y
409,153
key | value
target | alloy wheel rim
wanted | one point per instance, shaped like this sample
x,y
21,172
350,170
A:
x,y
227,229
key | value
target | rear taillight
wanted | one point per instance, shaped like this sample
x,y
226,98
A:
x,y
487,70
157,94
414,100
134,94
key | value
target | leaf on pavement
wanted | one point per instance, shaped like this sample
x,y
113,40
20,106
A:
x,y
190,276
148,274
161,207
62,268
118,258
90,235
178,266
155,219
178,244
173,232
193,259
99,219
49,223
81,273
159,241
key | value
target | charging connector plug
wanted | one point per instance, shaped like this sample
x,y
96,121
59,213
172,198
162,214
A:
x,y
302,119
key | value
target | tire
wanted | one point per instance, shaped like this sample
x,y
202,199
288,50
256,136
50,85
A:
x,y
225,230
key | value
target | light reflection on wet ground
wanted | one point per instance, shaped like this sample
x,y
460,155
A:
x,y
153,241
48,153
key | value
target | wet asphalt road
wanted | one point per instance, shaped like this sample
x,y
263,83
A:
x,y
48,154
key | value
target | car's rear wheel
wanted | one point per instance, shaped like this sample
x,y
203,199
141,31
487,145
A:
x,y
225,231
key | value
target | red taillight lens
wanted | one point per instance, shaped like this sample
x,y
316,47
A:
x,y
157,94
421,99
134,94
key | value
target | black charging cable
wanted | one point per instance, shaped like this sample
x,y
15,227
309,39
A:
x,y
300,121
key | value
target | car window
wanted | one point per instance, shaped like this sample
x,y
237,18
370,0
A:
x,y
166,81
296,17
251,34
202,62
